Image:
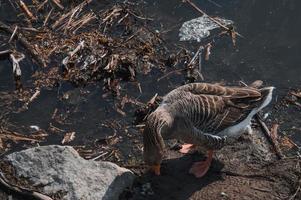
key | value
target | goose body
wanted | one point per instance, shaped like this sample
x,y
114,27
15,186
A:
x,y
205,115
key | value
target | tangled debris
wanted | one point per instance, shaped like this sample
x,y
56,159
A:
x,y
73,41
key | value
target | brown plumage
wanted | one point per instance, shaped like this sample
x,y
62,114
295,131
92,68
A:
x,y
203,114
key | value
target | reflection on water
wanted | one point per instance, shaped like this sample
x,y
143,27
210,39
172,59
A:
x,y
269,52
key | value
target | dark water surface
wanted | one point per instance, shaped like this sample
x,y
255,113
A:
x,y
269,52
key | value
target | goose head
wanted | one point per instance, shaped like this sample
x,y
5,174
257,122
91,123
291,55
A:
x,y
153,149
153,145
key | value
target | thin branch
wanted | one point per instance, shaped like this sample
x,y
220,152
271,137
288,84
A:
x,y
13,34
25,9
269,137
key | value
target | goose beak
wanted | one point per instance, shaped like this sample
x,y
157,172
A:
x,y
155,169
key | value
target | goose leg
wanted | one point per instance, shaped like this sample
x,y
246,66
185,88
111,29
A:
x,y
199,169
186,148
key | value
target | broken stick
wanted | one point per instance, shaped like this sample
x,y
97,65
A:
x,y
25,9
16,69
24,43
269,136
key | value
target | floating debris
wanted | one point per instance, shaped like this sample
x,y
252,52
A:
x,y
199,28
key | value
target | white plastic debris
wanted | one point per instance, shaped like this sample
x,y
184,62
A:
x,y
266,115
36,128
199,28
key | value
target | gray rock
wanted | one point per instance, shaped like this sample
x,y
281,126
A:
x,y
199,28
60,169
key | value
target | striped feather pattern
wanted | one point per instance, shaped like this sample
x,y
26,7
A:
x,y
197,112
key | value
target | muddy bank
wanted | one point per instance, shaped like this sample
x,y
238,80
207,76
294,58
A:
x,y
248,169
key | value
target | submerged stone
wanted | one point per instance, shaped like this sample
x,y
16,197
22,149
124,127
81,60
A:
x,y
199,28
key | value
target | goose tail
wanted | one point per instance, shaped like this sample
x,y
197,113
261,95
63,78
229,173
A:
x,y
267,94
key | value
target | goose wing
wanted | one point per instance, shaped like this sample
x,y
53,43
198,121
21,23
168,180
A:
x,y
210,89
217,109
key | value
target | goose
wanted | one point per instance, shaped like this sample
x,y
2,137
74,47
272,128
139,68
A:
x,y
202,115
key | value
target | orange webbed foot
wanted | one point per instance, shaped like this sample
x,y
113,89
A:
x,y
199,169
186,148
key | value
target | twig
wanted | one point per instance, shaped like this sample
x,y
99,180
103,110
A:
x,y
24,43
31,29
22,191
87,18
198,55
119,21
72,53
192,61
16,69
42,5
5,53
139,17
64,16
269,137
47,17
99,156
132,36
13,34
25,9
58,4
70,19
35,95
200,66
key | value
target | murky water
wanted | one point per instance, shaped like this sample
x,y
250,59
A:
x,y
269,51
